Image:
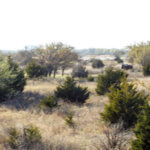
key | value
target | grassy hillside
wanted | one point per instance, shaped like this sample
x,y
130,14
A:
x,y
89,131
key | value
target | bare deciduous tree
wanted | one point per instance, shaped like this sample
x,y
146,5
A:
x,y
114,138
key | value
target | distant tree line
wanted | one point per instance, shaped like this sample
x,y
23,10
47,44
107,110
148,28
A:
x,y
94,51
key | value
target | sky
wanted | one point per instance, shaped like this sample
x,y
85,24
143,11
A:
x,y
79,23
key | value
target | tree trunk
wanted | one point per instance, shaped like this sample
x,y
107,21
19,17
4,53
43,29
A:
x,y
63,72
50,73
54,73
49,70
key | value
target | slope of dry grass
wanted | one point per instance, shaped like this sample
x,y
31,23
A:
x,y
88,130
23,111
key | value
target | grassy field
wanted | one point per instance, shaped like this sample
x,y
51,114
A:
x,y
89,128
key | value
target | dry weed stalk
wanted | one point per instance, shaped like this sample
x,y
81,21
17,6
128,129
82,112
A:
x,y
114,138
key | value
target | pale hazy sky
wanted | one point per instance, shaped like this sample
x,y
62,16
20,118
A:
x,y
79,23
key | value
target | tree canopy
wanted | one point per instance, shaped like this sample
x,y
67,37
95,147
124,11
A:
x,y
139,53
56,56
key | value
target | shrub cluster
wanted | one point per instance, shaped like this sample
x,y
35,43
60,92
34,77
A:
x,y
12,80
125,104
111,77
49,103
118,59
79,71
35,70
96,63
69,91
129,106
142,131
29,139
90,78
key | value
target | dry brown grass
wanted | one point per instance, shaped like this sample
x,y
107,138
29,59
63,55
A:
x,y
88,125
52,126
42,87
